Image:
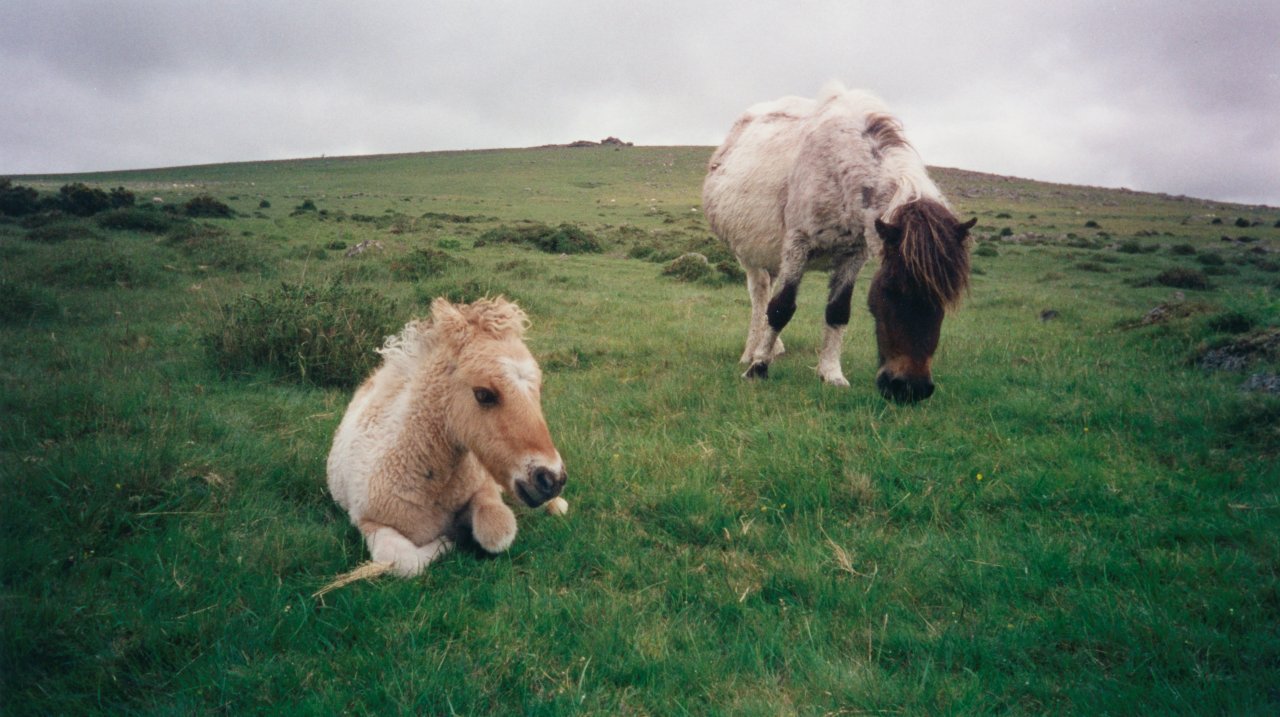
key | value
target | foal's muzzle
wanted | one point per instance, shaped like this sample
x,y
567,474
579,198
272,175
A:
x,y
540,485
904,390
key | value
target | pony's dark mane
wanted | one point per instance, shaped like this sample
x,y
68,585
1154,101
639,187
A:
x,y
931,256
884,131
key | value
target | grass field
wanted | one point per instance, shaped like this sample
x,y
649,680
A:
x,y
1084,518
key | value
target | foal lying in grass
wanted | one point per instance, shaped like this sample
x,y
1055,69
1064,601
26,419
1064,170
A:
x,y
450,419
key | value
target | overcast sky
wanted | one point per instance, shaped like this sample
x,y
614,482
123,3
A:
x,y
1173,96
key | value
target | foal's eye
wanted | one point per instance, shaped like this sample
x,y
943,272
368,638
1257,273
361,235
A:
x,y
485,397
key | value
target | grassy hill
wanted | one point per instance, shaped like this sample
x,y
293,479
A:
x,y
1082,520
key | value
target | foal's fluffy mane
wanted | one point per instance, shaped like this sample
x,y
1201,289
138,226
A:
x,y
453,326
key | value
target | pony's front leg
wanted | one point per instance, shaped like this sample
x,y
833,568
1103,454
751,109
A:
x,y
781,307
839,298
492,523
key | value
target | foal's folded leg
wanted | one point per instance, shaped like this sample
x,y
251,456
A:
x,y
492,523
388,545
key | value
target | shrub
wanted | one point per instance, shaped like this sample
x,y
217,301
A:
x,y
82,200
322,336
1006,232
306,206
689,267
425,262
1092,266
1231,322
121,198
1183,279
1211,259
134,219
264,204
1132,246
564,239
1242,222
986,250
208,207
16,200
1091,224
1182,250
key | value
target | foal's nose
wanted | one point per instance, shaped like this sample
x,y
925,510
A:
x,y
547,482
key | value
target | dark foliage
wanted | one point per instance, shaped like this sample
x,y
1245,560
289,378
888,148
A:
x,y
17,200
564,239
207,207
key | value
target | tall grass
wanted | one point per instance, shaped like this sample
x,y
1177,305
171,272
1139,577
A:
x,y
1080,521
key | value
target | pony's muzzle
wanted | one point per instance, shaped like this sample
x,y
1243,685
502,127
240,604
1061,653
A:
x,y
900,389
540,485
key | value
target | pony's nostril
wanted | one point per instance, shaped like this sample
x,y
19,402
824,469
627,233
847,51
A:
x,y
545,481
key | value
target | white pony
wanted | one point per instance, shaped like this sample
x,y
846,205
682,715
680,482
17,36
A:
x,y
802,183
450,419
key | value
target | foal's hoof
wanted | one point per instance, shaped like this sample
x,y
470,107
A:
x,y
557,506
758,369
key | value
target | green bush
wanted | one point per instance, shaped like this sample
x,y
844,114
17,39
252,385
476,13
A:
x,y
563,239
1211,259
322,336
1183,279
17,200
208,207
424,262
689,267
1182,250
82,200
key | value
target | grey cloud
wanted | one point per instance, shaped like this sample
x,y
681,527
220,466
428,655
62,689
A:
x,y
1172,96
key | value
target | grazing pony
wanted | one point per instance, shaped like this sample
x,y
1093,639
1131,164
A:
x,y
450,419
803,183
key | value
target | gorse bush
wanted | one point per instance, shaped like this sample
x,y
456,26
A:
x,y
322,336
206,206
17,200
564,239
425,262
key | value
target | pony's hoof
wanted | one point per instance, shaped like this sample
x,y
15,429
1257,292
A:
x,y
837,381
557,506
758,369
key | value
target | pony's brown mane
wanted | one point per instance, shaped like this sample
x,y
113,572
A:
x,y
884,131
931,254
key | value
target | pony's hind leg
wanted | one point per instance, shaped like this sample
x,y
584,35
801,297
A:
x,y
388,545
781,307
759,284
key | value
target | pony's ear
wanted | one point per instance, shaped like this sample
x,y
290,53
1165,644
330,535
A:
x,y
964,228
889,234
449,321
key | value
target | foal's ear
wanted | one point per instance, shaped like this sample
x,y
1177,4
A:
x,y
448,319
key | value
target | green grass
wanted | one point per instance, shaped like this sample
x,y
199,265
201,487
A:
x,y
1080,521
